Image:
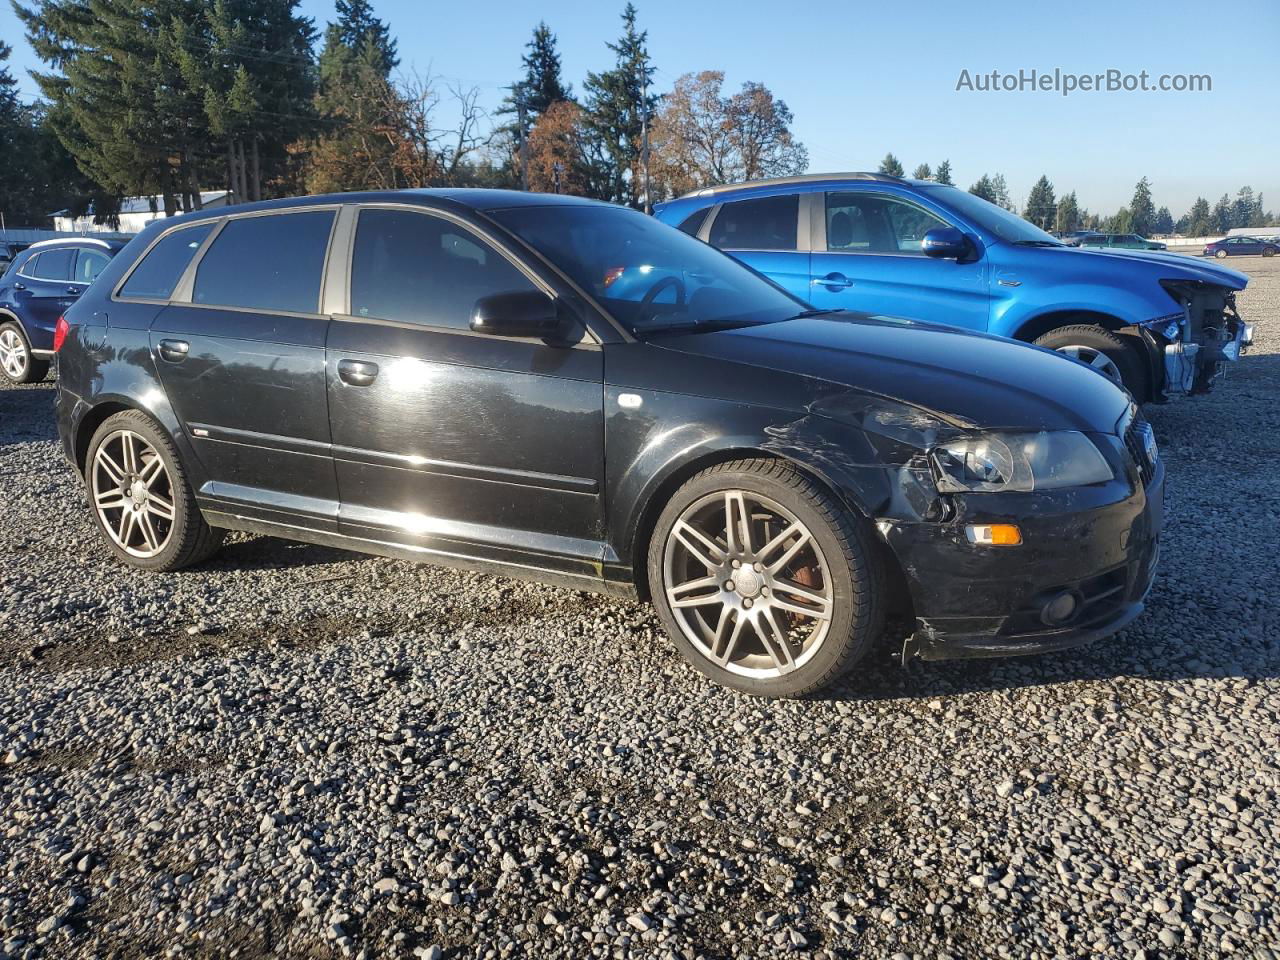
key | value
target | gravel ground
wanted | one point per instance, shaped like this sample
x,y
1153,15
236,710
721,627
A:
x,y
300,752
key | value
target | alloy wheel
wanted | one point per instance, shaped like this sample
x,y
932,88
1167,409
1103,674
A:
x,y
748,584
132,493
13,354
1094,358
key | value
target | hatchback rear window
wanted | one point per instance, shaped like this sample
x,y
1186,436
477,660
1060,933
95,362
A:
x,y
161,269
271,263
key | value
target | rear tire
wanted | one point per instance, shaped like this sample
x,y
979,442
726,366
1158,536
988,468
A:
x,y
140,498
1269,251
1103,350
17,364
807,600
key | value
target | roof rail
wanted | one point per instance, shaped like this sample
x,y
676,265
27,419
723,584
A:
x,y
56,240
801,178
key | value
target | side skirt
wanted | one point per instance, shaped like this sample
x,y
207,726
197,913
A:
x,y
419,554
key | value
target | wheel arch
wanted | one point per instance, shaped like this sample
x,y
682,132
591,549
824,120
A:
x,y
677,474
106,407
1039,325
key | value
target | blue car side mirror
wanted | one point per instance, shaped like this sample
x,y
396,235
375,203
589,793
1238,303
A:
x,y
945,243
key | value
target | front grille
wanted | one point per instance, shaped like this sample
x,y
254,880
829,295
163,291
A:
x,y
1138,440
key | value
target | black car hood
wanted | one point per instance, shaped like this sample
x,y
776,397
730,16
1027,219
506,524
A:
x,y
970,379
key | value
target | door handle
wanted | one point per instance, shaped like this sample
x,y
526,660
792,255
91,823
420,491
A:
x,y
175,351
837,281
19,286
74,291
358,373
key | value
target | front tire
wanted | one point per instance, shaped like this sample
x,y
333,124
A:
x,y
765,583
1220,254
17,363
140,497
1106,352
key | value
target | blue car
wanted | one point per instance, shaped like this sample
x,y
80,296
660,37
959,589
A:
x,y
1161,324
41,282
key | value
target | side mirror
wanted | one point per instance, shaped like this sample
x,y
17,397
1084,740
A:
x,y
945,243
525,313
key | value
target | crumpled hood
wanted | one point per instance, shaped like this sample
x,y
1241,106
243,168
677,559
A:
x,y
971,379
1172,266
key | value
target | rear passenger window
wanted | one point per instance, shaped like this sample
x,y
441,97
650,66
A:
x,y
53,264
765,224
161,269
269,263
418,268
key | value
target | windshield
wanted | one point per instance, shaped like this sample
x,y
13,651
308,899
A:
x,y
649,276
1005,225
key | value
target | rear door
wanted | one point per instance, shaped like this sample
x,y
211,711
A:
x,y
240,351
765,233
866,256
43,290
452,441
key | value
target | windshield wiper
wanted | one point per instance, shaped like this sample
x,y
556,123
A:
x,y
805,314
1038,243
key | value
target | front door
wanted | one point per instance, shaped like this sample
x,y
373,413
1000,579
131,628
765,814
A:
x,y
870,260
460,443
244,366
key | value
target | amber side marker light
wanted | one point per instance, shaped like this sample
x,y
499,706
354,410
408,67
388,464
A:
x,y
994,534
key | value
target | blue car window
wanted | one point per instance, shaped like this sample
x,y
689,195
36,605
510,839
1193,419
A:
x,y
765,223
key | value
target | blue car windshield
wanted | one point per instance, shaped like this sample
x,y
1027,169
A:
x,y
649,276
997,220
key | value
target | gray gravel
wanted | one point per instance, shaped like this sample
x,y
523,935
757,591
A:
x,y
299,752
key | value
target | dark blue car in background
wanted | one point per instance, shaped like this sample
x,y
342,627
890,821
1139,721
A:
x,y
40,283
1160,323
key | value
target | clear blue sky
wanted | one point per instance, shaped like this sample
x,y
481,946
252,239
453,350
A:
x,y
865,78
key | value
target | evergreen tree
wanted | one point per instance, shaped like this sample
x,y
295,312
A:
x,y
1223,215
542,84
1199,219
1164,222
1067,215
1142,212
891,166
1041,206
943,174
616,105
984,188
923,172
358,26
1001,190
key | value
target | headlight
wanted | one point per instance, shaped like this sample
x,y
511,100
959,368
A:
x,y
1017,462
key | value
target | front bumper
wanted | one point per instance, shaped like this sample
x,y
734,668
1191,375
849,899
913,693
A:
x,y
973,601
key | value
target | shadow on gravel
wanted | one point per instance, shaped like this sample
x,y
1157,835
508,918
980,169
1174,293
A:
x,y
270,553
26,416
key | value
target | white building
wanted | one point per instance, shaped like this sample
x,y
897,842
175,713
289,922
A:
x,y
1254,232
135,213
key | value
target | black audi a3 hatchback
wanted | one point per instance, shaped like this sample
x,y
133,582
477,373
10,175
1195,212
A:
x,y
560,389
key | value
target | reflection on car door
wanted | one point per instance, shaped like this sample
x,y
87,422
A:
x,y
459,443
867,257
242,360
764,233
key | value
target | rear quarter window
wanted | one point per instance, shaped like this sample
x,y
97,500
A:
x,y
162,267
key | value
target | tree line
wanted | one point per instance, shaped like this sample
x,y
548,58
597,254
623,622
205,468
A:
x,y
1064,213
168,97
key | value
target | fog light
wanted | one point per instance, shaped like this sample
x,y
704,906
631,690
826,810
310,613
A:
x,y
1060,609
994,534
